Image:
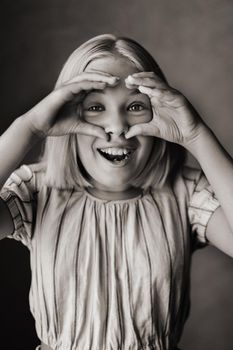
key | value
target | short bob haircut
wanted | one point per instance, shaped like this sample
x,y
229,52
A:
x,y
63,167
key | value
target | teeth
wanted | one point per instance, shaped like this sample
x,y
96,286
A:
x,y
115,151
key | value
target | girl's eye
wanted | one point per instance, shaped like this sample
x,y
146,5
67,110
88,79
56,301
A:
x,y
95,108
136,107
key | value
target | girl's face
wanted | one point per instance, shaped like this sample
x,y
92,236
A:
x,y
112,165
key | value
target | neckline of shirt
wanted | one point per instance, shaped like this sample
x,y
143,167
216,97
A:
x,y
125,200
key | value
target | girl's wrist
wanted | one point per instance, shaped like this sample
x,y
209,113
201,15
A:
x,y
196,145
33,133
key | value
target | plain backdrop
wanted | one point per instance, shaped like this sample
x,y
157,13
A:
x,y
192,41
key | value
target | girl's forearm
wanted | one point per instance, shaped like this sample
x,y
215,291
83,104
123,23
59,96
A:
x,y
16,141
217,166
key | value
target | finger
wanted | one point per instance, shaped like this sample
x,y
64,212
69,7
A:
x,y
162,98
156,93
144,74
146,81
153,75
91,130
130,85
156,97
86,86
134,84
143,129
69,92
102,77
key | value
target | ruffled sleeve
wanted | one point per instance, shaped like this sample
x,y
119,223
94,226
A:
x,y
202,202
19,193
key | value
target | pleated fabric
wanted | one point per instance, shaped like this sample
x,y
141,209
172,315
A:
x,y
109,275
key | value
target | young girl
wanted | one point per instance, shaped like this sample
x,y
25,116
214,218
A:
x,y
111,215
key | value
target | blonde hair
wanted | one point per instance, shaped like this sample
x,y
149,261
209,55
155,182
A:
x,y
64,169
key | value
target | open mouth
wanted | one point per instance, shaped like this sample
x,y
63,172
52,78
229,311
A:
x,y
116,155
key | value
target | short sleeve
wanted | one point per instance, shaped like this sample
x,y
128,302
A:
x,y
202,202
19,194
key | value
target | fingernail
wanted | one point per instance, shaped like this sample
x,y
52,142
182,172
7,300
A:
x,y
129,77
115,78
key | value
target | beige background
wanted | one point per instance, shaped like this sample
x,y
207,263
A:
x,y
192,41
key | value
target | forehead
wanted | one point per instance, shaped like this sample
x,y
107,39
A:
x,y
116,65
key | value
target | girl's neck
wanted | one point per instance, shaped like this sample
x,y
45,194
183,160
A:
x,y
111,195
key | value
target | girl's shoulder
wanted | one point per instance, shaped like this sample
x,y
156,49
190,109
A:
x,y
27,171
191,183
185,182
29,175
194,179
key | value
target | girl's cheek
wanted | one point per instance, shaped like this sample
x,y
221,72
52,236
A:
x,y
95,121
86,118
132,119
144,118
91,117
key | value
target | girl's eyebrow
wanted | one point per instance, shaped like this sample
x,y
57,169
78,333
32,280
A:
x,y
135,92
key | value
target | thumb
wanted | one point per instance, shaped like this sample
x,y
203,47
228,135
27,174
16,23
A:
x,y
143,129
91,130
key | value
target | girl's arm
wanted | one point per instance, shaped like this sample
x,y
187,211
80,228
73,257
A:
x,y
17,140
218,168
14,145
175,120
55,115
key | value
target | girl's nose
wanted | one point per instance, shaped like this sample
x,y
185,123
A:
x,y
117,125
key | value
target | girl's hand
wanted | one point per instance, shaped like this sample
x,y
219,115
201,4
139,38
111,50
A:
x,y
58,113
174,118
